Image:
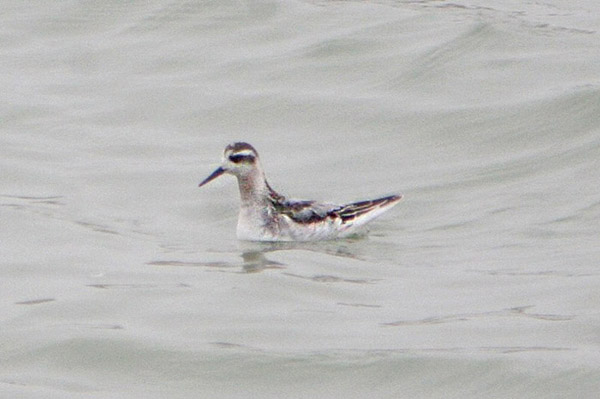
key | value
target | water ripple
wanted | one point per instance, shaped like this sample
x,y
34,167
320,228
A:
x,y
520,311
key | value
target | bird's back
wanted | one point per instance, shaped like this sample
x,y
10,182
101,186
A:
x,y
310,220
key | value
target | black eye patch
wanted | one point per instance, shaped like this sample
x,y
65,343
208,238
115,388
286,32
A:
x,y
241,158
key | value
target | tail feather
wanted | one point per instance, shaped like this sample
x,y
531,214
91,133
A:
x,y
359,213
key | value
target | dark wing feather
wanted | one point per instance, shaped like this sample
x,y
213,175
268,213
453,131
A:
x,y
310,211
299,211
306,212
351,211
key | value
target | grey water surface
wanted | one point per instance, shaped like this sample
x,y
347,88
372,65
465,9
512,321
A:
x,y
120,278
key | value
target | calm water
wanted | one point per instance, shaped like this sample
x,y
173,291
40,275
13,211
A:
x,y
119,278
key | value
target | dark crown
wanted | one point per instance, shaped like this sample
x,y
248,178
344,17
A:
x,y
240,146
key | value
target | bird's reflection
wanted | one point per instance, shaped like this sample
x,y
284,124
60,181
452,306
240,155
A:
x,y
254,254
256,261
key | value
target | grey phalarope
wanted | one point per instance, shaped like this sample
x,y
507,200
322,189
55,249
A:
x,y
266,215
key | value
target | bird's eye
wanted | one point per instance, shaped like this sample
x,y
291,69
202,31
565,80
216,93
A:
x,y
241,158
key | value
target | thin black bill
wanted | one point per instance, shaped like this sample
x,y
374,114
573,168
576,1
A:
x,y
212,176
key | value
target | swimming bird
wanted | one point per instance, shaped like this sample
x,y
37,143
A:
x,y
266,215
